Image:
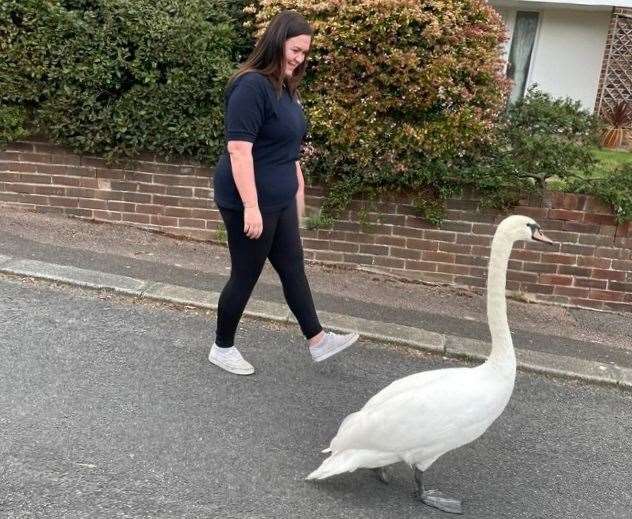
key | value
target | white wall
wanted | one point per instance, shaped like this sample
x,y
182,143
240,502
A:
x,y
568,51
568,54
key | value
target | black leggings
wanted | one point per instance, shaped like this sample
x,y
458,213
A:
x,y
280,242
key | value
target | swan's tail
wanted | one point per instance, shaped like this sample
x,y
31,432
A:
x,y
336,464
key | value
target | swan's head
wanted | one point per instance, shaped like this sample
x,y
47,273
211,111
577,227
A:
x,y
518,227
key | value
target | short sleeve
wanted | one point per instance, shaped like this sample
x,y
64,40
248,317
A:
x,y
246,110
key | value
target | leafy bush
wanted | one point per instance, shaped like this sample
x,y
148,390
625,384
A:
x,y
397,91
537,139
118,77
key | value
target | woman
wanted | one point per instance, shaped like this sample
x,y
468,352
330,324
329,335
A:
x,y
259,188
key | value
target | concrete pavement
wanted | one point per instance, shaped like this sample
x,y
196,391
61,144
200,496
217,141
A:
x,y
109,408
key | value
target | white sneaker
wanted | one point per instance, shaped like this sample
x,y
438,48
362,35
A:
x,y
331,344
230,360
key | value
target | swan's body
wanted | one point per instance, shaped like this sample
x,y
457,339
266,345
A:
x,y
419,418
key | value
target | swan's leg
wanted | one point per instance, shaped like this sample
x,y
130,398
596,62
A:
x,y
434,498
383,474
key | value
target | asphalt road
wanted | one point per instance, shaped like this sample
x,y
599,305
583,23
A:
x,y
109,408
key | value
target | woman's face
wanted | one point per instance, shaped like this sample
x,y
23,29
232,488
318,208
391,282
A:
x,y
295,49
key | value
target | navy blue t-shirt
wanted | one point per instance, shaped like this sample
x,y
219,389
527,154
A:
x,y
276,127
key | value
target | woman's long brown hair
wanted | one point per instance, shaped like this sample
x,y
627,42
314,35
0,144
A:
x,y
268,57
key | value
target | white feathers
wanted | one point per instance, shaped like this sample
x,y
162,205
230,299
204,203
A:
x,y
418,418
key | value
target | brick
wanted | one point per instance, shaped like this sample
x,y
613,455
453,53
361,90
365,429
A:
x,y
619,307
608,252
614,275
606,295
347,226
91,203
549,268
571,291
464,205
455,247
179,191
600,219
165,200
625,265
527,277
329,256
111,216
397,241
180,212
595,239
470,260
398,230
453,269
440,235
324,234
525,255
138,198
583,250
382,261
35,157
361,259
421,265
565,214
442,257
484,228
316,244
447,225
152,188
191,222
49,190
377,250
62,201
537,288
554,279
588,303
159,219
137,176
469,281
149,208
562,259
591,283
391,219
209,214
135,218
398,252
361,238
123,185
342,246
588,261
44,209
108,173
114,205
414,243
477,250
472,239
570,270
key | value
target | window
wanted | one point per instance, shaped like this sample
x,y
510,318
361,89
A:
x,y
520,53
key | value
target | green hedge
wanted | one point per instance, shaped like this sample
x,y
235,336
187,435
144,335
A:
x,y
118,77
398,91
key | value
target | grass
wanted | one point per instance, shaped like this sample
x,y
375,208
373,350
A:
x,y
607,161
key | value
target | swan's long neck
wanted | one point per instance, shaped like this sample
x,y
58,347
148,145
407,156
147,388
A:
x,y
502,356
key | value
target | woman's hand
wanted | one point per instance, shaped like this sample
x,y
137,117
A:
x,y
253,223
300,202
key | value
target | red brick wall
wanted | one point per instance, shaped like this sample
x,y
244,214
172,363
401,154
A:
x,y
591,266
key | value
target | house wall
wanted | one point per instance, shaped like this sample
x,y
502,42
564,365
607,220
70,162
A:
x,y
568,51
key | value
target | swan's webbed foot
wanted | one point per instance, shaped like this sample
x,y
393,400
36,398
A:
x,y
383,474
435,498
441,501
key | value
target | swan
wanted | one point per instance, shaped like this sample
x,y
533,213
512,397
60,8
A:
x,y
418,418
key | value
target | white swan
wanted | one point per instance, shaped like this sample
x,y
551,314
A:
x,y
419,418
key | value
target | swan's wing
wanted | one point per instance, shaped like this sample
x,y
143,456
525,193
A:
x,y
413,418
415,381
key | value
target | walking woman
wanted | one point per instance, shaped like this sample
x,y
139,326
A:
x,y
259,188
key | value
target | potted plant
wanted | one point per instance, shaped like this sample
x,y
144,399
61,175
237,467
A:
x,y
619,119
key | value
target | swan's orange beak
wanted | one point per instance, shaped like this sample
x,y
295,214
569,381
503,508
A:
x,y
539,236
